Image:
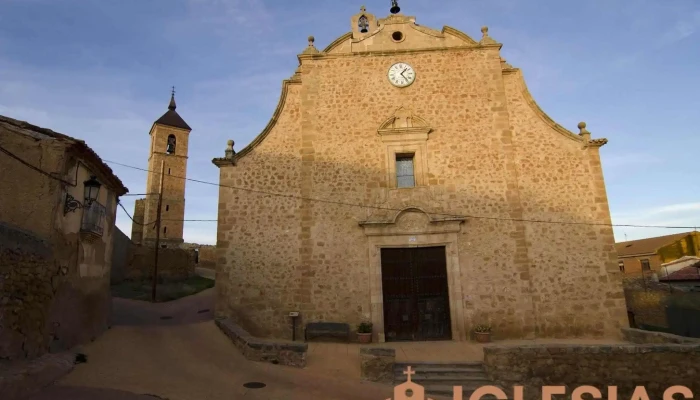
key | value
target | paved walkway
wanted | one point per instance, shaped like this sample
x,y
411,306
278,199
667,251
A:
x,y
183,358
186,357
191,309
205,272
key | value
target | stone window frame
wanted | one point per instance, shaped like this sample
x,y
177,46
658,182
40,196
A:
x,y
406,157
405,133
417,150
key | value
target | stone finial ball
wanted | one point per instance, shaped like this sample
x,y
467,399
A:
x,y
581,125
484,29
311,39
230,143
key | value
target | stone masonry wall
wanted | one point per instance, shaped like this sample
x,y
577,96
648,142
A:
x,y
29,277
207,254
656,367
571,265
255,349
640,336
120,256
137,227
173,264
490,152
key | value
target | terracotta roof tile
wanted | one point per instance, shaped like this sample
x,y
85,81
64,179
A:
x,y
691,272
646,246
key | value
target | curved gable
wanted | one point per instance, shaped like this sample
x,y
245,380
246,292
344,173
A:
x,y
339,44
515,80
286,85
414,37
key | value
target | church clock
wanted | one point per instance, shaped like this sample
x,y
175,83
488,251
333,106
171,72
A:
x,y
401,74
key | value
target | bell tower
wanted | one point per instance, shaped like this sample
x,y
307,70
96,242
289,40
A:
x,y
169,139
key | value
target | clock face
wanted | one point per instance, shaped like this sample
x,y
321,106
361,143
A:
x,y
401,74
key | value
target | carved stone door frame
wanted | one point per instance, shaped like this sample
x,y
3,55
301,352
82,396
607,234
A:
x,y
414,228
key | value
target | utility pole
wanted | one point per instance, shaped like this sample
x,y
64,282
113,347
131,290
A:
x,y
160,202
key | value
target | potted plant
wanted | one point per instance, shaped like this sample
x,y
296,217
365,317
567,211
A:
x,y
364,332
482,333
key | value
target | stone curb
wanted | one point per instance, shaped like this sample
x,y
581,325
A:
x,y
256,349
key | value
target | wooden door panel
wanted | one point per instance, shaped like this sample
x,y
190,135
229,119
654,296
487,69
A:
x,y
416,302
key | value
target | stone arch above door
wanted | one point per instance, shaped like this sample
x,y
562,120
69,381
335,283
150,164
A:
x,y
413,220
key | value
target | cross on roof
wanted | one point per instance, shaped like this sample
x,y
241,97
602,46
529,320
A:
x,y
409,373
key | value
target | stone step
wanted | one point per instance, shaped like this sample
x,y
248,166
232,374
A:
x,y
454,379
440,370
430,364
447,391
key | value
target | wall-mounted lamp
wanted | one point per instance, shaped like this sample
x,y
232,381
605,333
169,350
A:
x,y
92,190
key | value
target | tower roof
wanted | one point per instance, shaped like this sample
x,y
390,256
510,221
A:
x,y
171,117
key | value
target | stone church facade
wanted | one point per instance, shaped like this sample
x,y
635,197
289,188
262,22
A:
x,y
397,182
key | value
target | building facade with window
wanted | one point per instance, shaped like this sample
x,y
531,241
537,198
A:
x,y
58,205
400,181
647,255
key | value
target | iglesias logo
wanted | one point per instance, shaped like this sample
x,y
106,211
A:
x,y
410,390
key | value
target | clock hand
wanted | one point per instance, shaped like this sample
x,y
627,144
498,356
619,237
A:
x,y
403,72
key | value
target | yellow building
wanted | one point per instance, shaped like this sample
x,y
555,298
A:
x,y
407,159
639,256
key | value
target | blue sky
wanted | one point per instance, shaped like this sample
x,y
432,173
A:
x,y
102,70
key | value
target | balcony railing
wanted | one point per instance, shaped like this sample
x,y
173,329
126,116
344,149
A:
x,y
94,219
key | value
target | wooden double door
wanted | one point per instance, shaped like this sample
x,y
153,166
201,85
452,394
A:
x,y
415,289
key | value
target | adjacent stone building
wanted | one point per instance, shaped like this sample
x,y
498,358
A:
x,y
407,177
58,205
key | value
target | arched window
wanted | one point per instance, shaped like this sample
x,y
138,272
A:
x,y
171,145
363,24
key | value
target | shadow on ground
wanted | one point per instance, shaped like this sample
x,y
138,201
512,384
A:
x,y
187,310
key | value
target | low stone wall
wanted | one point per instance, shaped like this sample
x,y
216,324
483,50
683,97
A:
x,y
640,336
656,367
207,254
256,349
173,264
207,257
377,364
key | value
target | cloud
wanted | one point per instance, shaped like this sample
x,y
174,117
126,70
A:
x,y
683,216
683,28
228,18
